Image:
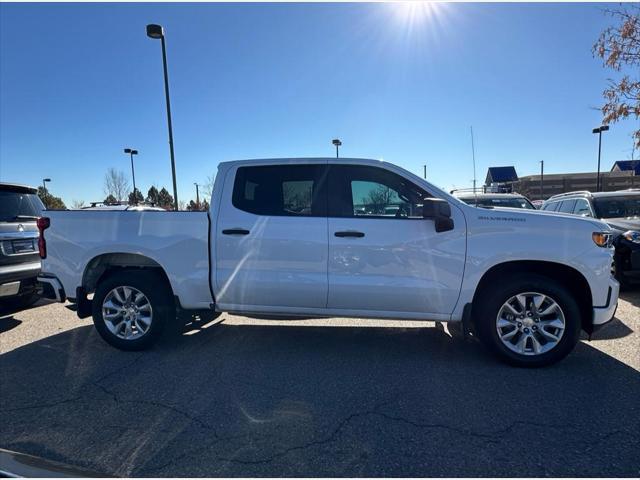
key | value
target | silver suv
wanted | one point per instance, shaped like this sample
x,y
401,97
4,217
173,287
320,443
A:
x,y
20,207
621,211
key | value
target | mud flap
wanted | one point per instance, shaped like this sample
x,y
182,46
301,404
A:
x,y
84,305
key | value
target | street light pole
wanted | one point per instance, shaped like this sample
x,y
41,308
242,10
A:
x,y
197,197
599,131
133,172
156,31
541,178
44,189
337,143
425,171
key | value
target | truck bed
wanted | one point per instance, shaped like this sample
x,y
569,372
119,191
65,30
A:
x,y
176,241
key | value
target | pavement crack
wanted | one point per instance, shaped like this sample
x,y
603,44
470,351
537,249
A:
x,y
193,418
489,436
119,369
42,405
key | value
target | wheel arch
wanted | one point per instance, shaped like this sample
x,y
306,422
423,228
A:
x,y
102,265
568,276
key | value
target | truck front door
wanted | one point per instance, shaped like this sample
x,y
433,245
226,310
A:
x,y
384,257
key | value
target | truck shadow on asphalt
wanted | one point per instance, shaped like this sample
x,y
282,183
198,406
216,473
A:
x,y
256,400
5,311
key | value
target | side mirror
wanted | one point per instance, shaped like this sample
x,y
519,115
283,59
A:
x,y
439,211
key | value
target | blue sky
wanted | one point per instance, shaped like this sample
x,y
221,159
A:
x,y
79,82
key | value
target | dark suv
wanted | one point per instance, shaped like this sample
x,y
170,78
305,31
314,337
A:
x,y
621,211
20,207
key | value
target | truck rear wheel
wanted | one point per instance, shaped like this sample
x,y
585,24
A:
x,y
528,320
131,309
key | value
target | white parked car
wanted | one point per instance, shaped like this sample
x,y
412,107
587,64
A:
x,y
310,237
492,200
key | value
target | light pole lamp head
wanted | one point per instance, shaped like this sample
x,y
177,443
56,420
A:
x,y
336,142
155,31
127,150
134,152
604,128
46,179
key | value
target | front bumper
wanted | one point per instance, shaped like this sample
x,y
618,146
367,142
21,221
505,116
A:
x,y
50,287
605,313
627,259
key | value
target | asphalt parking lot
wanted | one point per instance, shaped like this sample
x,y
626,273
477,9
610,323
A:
x,y
249,398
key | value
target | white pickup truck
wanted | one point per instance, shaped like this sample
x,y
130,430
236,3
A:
x,y
328,237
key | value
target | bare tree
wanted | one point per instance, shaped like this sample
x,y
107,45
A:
x,y
619,48
207,187
116,184
379,198
77,204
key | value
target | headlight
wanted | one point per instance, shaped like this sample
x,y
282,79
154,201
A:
x,y
632,236
602,239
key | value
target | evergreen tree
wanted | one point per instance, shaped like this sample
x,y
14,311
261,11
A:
x,y
50,202
135,197
152,196
165,200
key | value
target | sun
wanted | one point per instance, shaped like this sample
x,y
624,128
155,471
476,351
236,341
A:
x,y
413,13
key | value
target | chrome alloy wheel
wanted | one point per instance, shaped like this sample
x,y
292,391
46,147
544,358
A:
x,y
127,313
530,323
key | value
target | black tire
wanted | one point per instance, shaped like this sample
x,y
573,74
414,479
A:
x,y
159,295
491,301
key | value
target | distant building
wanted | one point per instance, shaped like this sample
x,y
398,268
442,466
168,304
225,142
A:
x,y
627,166
623,175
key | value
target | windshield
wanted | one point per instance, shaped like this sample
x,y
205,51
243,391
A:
x,y
617,207
16,204
500,202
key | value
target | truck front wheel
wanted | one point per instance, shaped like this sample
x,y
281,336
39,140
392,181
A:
x,y
131,308
528,320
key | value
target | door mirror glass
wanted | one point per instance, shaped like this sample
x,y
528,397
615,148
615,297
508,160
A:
x,y
439,211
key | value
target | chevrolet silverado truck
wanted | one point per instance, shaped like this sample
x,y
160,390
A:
x,y
336,238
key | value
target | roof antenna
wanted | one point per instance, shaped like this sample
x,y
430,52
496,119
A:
x,y
473,156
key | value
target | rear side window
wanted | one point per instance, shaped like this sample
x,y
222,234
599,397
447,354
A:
x,y
14,205
281,190
566,206
552,207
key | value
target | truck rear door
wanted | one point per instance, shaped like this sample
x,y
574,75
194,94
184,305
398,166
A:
x,y
271,238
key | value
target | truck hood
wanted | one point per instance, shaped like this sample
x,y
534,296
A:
x,y
523,214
